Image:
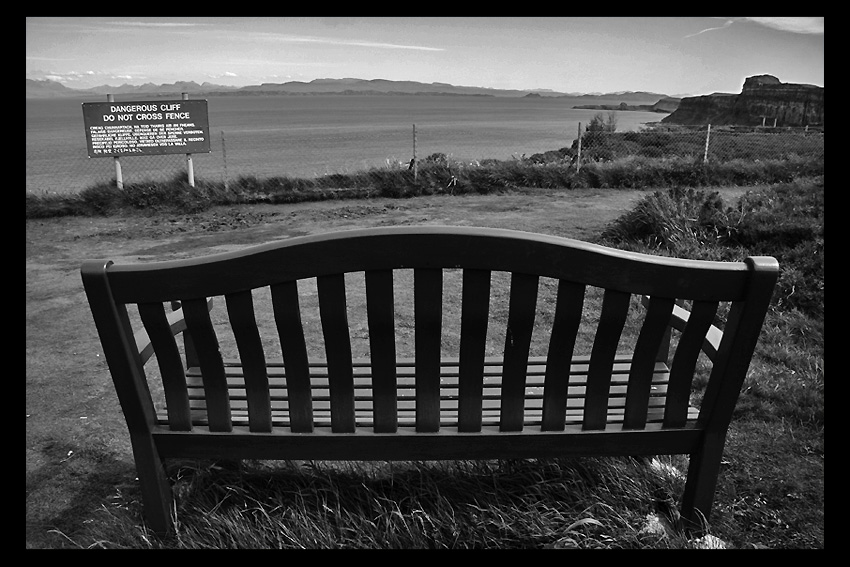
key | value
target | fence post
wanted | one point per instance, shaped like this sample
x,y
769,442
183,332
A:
x,y
707,136
119,178
415,165
578,156
224,157
189,165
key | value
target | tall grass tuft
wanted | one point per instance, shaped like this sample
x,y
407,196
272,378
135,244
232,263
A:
x,y
674,219
784,221
557,503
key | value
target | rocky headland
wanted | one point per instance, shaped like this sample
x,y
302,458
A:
x,y
764,100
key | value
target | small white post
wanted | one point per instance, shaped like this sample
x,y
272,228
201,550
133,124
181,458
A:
x,y
189,165
119,178
707,136
578,156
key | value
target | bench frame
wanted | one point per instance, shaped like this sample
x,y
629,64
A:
x,y
663,282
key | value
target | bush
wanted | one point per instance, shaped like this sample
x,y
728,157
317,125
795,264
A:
x,y
173,195
784,221
52,205
102,199
672,218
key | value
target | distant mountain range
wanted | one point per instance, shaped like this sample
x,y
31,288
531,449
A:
x,y
52,89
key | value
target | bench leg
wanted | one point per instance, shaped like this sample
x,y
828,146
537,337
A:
x,y
703,470
156,490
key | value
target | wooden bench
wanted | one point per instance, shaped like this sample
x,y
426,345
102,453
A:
x,y
431,404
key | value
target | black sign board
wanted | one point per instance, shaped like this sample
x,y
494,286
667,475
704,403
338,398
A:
x,y
146,128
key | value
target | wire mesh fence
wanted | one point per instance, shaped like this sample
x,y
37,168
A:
x,y
306,154
718,144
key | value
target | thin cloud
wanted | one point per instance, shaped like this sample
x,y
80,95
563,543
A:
x,y
725,25
155,24
793,25
34,58
346,42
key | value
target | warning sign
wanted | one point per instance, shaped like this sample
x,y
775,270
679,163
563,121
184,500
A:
x,y
146,128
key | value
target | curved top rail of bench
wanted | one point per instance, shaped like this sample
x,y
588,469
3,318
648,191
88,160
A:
x,y
429,247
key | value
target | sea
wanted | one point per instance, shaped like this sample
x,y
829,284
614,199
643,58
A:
x,y
310,136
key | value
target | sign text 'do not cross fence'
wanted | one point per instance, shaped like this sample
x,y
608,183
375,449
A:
x,y
146,128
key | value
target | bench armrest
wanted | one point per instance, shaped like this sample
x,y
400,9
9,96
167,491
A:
x,y
177,324
711,344
678,320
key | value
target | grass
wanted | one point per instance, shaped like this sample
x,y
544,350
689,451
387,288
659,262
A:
x,y
468,504
436,174
771,485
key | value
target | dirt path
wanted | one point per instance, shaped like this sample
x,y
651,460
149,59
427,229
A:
x,y
78,456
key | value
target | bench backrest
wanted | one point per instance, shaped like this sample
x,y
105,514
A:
x,y
428,252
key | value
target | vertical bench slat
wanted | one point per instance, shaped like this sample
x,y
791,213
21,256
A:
x,y
523,304
170,365
212,368
428,314
334,316
684,362
381,320
188,345
240,310
475,311
615,307
649,341
568,309
287,315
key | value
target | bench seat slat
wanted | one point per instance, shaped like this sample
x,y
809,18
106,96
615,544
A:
x,y
490,418
322,394
449,400
448,372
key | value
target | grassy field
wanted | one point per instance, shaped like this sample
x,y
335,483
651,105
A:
x,y
81,490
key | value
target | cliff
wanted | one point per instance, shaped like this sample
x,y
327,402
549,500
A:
x,y
762,100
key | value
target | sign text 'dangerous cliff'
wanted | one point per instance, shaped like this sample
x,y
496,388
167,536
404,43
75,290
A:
x,y
146,128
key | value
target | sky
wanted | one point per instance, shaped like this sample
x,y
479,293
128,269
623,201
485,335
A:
x,y
666,55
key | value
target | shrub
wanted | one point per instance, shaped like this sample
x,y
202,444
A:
x,y
173,195
52,205
102,199
438,158
672,218
784,221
